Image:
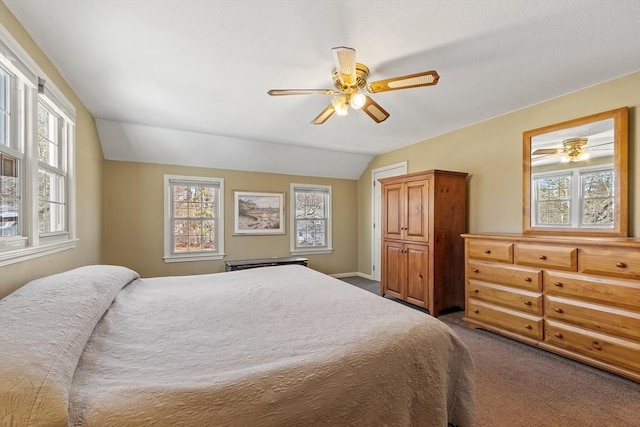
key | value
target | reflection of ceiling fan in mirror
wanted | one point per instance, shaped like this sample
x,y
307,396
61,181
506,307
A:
x,y
350,81
572,150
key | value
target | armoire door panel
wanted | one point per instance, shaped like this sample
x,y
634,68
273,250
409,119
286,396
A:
x,y
417,211
417,257
394,275
392,215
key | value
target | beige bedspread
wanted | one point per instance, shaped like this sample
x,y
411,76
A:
x,y
277,346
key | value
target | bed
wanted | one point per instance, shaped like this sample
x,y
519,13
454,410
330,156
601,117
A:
x,y
275,346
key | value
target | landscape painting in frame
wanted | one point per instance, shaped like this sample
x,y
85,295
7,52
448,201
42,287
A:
x,y
258,213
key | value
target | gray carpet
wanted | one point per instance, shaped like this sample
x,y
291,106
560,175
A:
x,y
518,385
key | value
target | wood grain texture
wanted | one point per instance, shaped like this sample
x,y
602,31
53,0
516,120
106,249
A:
x,y
590,296
426,213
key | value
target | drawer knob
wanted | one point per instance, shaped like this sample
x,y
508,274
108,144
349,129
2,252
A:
x,y
487,251
559,310
527,303
527,279
528,327
558,284
476,311
475,270
621,265
558,335
475,291
542,257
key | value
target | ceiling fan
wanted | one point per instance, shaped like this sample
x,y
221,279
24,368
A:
x,y
572,150
350,81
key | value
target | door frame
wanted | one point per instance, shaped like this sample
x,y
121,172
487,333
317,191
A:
x,y
394,169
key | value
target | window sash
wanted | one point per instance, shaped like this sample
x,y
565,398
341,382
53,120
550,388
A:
x,y
311,218
194,218
10,218
598,205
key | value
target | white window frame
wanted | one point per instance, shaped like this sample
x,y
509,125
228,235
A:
x,y
576,212
328,248
169,255
29,84
60,168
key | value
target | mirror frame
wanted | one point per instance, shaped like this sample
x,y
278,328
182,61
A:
x,y
620,166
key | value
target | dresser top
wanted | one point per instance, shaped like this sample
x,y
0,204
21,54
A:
x,y
566,240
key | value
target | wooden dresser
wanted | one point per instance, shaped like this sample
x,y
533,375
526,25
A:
x,y
578,297
423,215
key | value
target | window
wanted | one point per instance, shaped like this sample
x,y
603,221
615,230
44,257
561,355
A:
x,y
597,198
582,196
311,218
553,199
51,173
37,189
194,223
9,158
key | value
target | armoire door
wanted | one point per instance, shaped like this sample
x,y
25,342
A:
x,y
393,211
416,217
394,269
417,274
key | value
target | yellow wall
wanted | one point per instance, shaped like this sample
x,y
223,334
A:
x,y
89,171
126,198
134,219
491,152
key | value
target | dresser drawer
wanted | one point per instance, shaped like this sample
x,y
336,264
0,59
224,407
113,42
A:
x,y
490,250
618,351
512,275
556,257
609,262
616,292
521,323
527,301
600,318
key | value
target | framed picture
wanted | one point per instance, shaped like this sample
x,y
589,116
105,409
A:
x,y
258,213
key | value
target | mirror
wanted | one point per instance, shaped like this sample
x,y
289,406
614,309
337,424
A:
x,y
575,176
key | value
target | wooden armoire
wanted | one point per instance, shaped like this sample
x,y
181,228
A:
x,y
423,216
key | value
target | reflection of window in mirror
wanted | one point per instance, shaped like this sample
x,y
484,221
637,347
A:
x,y
578,197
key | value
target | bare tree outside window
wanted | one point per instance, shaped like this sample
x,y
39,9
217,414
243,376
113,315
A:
x,y
311,218
194,221
597,198
553,200
577,196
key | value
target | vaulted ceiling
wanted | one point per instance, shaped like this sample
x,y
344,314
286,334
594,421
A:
x,y
185,81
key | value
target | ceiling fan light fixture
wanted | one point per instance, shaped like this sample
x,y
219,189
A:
x,y
572,158
357,101
340,105
574,150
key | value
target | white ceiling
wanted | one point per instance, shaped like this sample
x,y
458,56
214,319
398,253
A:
x,y
185,81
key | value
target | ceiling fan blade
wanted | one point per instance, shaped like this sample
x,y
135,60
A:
x,y
345,60
375,111
281,92
542,151
324,115
426,78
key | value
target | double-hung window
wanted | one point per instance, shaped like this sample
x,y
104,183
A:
x,y
194,218
52,176
37,188
574,197
311,218
10,157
